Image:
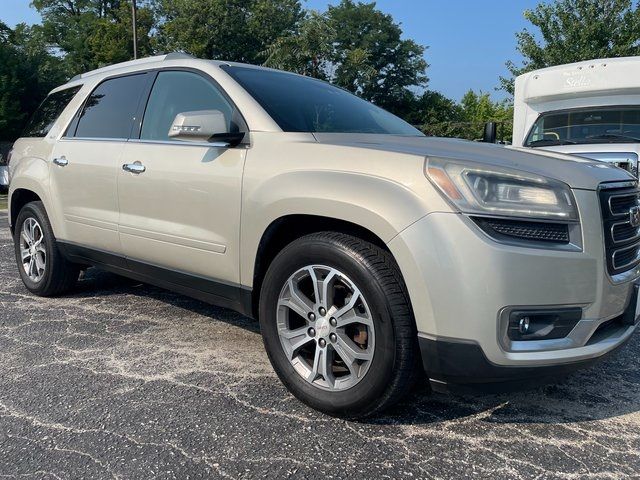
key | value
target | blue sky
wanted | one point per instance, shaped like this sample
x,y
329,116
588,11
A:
x,y
469,40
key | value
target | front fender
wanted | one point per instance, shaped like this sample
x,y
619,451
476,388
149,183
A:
x,y
380,205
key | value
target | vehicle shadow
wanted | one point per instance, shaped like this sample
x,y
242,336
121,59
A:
x,y
608,389
97,283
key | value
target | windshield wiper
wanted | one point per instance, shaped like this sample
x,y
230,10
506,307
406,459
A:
x,y
614,136
550,142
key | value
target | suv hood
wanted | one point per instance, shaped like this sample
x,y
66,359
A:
x,y
577,172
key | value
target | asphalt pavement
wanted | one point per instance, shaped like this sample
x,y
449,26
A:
x,y
123,380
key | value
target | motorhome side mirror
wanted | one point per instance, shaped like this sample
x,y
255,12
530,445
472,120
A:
x,y
204,126
490,132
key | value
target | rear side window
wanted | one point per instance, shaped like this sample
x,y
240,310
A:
x,y
48,112
110,110
179,92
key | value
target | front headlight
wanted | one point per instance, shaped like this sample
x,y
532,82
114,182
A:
x,y
496,191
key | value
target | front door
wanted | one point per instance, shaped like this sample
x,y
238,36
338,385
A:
x,y
180,202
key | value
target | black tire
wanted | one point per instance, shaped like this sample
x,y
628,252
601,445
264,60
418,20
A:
x,y
59,275
393,370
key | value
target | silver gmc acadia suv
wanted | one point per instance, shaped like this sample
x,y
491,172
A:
x,y
368,252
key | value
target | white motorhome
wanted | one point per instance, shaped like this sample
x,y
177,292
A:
x,y
590,109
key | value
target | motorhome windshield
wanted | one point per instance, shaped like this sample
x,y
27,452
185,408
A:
x,y
586,125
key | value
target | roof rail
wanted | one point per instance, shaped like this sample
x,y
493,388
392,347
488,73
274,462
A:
x,y
178,56
140,61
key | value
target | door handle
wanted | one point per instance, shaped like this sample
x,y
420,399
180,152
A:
x,y
61,162
136,167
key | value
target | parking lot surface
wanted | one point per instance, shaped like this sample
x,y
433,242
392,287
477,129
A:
x,y
122,380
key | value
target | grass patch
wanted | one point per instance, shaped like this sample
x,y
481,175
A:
x,y
3,202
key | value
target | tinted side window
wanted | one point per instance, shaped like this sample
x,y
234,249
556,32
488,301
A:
x,y
48,112
110,110
179,92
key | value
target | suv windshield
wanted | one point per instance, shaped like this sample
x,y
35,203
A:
x,y
586,125
304,104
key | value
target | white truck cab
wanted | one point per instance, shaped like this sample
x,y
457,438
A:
x,y
590,109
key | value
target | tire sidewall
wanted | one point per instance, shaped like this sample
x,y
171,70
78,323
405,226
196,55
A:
x,y
371,387
32,211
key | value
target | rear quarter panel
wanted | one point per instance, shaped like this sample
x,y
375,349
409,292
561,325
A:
x,y
29,170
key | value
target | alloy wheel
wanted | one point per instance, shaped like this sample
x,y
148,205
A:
x,y
325,327
32,250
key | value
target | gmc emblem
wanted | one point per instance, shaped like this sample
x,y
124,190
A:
x,y
634,216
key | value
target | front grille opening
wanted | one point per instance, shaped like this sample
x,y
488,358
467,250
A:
x,y
504,229
623,232
626,257
621,239
620,204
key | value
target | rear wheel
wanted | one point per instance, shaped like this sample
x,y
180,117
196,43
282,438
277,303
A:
x,y
43,269
337,325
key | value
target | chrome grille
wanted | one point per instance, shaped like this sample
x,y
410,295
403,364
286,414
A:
x,y
621,238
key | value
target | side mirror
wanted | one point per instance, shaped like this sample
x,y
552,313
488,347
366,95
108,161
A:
x,y
204,126
490,132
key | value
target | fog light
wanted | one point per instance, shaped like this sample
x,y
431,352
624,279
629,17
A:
x,y
527,325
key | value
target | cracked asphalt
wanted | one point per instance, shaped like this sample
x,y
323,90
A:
x,y
122,380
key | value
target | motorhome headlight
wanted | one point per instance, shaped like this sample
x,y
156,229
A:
x,y
495,191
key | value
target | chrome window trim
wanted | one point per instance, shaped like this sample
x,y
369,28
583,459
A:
x,y
93,139
152,142
180,143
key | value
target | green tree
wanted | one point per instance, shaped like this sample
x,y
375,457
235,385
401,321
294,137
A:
x,y
93,33
307,51
234,30
575,30
27,73
372,60
435,114
478,108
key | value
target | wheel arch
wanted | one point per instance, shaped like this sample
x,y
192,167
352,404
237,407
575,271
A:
x,y
29,182
286,229
19,198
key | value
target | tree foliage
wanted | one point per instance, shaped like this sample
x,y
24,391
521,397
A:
x,y
352,44
366,32
27,73
575,30
94,33
359,48
234,30
307,51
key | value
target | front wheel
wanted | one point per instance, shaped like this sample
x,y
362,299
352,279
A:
x,y
337,325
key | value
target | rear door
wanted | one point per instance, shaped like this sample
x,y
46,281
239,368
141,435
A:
x,y
182,212
85,162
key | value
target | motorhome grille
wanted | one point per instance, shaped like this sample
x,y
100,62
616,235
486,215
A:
x,y
621,238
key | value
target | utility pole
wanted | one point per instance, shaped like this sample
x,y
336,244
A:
x,y
135,30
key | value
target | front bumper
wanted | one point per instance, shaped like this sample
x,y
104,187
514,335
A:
x,y
459,365
460,281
